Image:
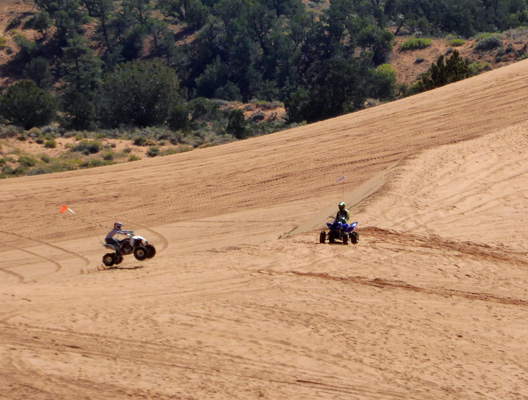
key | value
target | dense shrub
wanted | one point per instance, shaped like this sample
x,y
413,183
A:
x,y
153,151
28,49
488,43
8,131
27,161
139,93
445,71
87,147
96,163
456,42
24,104
141,141
415,43
236,125
50,144
477,67
36,133
384,82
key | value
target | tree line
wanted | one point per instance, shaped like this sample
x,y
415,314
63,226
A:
x,y
112,63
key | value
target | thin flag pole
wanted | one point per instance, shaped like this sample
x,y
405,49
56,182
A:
x,y
64,209
339,180
343,198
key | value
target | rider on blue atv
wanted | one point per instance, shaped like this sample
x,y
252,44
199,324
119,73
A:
x,y
342,215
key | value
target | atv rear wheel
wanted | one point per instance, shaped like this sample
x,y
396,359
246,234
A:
x,y
354,237
140,253
109,259
151,251
119,259
322,237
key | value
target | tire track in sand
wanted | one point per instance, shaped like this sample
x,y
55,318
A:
x,y
171,360
409,241
393,284
18,277
58,265
471,249
85,259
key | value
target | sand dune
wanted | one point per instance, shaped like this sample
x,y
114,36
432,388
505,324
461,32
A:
x,y
241,302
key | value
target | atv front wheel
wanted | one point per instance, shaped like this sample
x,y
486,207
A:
x,y
109,259
345,238
331,237
151,251
354,237
322,237
140,253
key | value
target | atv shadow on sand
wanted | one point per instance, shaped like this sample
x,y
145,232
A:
x,y
115,267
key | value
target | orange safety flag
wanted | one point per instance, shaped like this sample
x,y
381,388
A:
x,y
63,208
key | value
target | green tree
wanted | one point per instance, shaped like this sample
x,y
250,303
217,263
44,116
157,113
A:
x,y
158,31
67,15
141,10
24,104
81,72
127,29
28,49
178,118
298,105
215,76
197,13
383,83
377,42
41,22
39,70
445,71
236,125
132,42
287,8
174,8
192,12
139,93
101,10
336,88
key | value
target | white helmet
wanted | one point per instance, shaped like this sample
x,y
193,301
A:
x,y
118,225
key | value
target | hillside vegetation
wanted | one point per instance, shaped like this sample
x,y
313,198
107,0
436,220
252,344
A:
x,y
177,73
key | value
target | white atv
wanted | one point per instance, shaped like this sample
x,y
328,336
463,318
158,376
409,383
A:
x,y
137,245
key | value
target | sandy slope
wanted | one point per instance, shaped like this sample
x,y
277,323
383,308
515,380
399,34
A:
x,y
242,303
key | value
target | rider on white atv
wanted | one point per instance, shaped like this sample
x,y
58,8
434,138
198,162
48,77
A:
x,y
109,239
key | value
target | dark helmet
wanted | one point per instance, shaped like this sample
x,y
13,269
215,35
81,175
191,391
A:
x,y
118,225
342,206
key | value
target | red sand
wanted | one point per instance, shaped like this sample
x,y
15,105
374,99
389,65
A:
x,y
241,302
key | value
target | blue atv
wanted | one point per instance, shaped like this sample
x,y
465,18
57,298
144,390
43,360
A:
x,y
339,230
